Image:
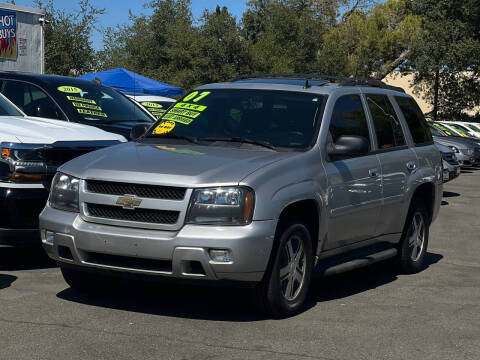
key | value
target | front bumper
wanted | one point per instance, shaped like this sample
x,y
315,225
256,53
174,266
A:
x,y
20,208
178,254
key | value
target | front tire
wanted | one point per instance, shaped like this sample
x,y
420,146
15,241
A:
x,y
414,242
284,288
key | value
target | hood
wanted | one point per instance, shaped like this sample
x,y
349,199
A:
x,y
443,148
122,127
457,142
174,165
33,130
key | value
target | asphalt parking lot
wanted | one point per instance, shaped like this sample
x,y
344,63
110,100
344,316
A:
x,y
373,313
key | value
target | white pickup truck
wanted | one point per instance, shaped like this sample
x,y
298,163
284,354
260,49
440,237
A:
x,y
31,150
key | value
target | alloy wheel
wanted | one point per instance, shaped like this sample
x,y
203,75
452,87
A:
x,y
292,267
416,239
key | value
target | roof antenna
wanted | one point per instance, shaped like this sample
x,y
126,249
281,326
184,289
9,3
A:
x,y
307,84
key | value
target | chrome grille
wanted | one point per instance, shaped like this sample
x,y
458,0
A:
x,y
140,190
138,215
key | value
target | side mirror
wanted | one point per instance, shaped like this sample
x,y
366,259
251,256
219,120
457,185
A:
x,y
138,130
348,145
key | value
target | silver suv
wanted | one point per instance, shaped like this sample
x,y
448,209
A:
x,y
260,181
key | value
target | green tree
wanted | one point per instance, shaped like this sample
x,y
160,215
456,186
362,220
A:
x,y
68,49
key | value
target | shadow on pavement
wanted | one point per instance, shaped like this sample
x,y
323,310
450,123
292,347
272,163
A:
x,y
360,280
443,203
448,194
25,258
6,280
166,299
466,171
226,304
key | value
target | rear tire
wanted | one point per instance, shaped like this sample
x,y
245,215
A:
x,y
284,288
413,244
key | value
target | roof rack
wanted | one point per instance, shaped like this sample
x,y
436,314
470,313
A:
x,y
342,81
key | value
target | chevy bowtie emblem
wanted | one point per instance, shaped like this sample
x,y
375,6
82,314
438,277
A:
x,y
129,202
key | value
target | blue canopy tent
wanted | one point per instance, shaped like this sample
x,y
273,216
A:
x,y
129,82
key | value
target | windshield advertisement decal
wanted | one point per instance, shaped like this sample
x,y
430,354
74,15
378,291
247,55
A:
x,y
8,35
154,108
164,127
69,89
76,98
91,112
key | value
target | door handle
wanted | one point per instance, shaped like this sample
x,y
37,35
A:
x,y
411,165
373,172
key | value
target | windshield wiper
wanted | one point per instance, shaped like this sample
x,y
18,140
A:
x,y
191,139
241,140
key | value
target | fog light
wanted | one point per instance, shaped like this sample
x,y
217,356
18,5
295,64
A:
x,y
49,235
220,255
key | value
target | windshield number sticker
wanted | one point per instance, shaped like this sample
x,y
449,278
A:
x,y
76,98
91,112
69,89
151,104
185,112
86,106
164,127
193,96
177,118
190,106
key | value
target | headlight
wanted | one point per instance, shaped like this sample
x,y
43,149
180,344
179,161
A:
x,y
454,148
22,162
64,193
224,206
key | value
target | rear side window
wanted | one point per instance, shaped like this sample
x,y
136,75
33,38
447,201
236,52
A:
x,y
415,120
31,99
348,118
387,127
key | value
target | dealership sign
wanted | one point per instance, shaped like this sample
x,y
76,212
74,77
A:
x,y
8,35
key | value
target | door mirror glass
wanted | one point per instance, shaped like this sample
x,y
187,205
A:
x,y
348,146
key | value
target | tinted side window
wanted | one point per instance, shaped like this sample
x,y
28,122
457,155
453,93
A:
x,y
348,118
32,100
17,92
415,120
387,127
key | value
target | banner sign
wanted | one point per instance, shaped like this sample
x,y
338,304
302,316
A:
x,y
8,34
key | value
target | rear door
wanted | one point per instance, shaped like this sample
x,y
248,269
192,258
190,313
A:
x,y
354,184
397,161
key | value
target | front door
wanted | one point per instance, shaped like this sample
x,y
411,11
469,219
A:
x,y
354,184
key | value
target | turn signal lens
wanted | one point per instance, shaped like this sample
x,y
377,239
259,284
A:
x,y
5,152
248,207
27,177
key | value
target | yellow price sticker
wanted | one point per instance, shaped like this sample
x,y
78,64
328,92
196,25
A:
x,y
69,89
164,127
151,104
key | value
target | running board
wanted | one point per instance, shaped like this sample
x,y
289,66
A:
x,y
338,268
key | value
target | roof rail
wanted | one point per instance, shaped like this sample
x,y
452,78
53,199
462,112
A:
x,y
369,83
342,81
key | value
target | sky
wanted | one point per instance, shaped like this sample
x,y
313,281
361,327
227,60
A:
x,y
116,11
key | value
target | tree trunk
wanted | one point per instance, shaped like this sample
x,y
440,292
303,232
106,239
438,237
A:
x,y
435,98
388,68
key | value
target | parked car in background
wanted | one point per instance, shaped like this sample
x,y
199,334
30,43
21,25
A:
x,y
74,100
467,151
256,181
456,130
31,150
457,125
155,105
451,166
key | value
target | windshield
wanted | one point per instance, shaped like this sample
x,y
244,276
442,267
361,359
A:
x,y
282,119
443,128
436,132
157,108
97,103
458,129
7,109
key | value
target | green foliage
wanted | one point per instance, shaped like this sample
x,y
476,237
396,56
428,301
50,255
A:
x,y
449,42
68,50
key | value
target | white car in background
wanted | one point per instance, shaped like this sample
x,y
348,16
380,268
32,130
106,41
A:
x,y
471,125
32,149
154,104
